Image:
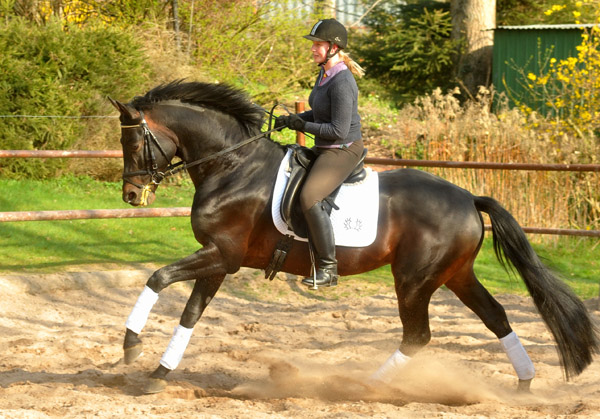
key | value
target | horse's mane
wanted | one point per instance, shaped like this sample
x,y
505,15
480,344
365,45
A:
x,y
220,97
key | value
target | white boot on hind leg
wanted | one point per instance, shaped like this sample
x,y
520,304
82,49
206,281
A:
x,y
518,357
390,368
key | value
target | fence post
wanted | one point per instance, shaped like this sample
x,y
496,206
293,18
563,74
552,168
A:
x,y
300,135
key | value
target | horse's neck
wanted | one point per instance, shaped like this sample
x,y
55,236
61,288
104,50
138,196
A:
x,y
203,132
205,142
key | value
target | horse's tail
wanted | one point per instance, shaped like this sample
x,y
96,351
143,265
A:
x,y
564,313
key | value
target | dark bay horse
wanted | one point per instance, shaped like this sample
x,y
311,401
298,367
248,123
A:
x,y
429,230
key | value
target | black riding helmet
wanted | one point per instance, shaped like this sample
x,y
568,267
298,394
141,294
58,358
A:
x,y
329,30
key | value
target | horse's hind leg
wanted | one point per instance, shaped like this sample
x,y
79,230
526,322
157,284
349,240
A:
x,y
469,290
413,306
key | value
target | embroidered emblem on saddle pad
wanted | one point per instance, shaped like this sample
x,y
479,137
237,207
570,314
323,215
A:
x,y
354,223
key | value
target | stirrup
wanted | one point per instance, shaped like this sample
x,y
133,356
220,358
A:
x,y
323,277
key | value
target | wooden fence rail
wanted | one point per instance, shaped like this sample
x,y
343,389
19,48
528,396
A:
x,y
49,154
185,211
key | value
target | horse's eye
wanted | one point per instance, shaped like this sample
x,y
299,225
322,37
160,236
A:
x,y
135,146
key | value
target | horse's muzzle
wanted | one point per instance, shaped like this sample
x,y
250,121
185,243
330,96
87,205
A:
x,y
138,197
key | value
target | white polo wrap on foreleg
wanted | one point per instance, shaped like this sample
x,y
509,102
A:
x,y
141,310
390,367
518,356
174,353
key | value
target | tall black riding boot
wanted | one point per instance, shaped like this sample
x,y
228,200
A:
x,y
320,235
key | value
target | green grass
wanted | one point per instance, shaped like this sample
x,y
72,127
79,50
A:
x,y
49,246
576,261
42,246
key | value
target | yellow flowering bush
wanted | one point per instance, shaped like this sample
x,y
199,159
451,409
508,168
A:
x,y
566,93
81,12
569,91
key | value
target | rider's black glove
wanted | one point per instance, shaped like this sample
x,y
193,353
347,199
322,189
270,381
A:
x,y
295,122
292,121
280,122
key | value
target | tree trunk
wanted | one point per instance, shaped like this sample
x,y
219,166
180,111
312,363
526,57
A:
x,y
325,8
473,21
175,7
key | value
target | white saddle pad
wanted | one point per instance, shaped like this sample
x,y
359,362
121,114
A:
x,y
354,224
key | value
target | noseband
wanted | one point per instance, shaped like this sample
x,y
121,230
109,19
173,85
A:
x,y
156,175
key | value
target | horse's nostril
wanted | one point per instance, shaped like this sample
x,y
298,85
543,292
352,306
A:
x,y
131,196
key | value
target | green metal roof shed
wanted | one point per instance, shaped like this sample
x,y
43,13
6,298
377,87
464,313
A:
x,y
527,47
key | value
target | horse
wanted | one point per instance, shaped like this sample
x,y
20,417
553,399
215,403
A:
x,y
429,230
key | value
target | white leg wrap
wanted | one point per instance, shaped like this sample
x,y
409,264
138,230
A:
x,y
518,356
141,310
390,367
174,353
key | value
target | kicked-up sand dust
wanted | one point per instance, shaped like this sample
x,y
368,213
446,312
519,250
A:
x,y
279,352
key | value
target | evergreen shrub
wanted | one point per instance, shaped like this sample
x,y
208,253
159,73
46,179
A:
x,y
57,70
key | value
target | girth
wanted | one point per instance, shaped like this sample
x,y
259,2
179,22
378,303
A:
x,y
300,163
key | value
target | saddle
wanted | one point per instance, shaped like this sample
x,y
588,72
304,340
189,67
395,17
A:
x,y
300,163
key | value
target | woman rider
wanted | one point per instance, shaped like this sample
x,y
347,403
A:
x,y
334,121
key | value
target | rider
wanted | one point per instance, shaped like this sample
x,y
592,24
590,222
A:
x,y
334,121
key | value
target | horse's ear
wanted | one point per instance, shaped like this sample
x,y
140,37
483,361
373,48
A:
x,y
124,109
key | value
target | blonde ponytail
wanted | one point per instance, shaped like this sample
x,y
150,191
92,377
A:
x,y
352,65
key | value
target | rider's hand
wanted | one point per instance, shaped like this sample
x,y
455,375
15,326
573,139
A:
x,y
280,122
295,122
292,121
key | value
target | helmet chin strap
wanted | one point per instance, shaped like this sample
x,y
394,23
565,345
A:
x,y
329,55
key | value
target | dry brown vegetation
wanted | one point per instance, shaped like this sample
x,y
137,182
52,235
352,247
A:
x,y
439,127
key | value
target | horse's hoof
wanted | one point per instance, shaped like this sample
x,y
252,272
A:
x,y
524,386
132,353
155,385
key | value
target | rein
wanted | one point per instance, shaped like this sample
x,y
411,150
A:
x,y
158,176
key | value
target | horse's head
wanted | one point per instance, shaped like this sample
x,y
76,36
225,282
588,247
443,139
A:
x,y
147,152
210,120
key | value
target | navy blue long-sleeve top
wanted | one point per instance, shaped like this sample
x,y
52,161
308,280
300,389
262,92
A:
x,y
333,118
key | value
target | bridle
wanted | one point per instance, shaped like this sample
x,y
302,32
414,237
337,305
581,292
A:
x,y
150,141
152,170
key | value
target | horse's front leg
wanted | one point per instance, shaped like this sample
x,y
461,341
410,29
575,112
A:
x,y
204,265
202,294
